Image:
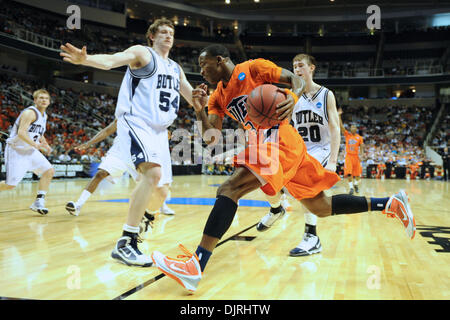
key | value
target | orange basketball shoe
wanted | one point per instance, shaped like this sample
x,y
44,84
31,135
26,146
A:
x,y
398,206
186,272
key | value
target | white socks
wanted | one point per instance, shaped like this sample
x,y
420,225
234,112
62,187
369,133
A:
x,y
310,218
84,196
131,229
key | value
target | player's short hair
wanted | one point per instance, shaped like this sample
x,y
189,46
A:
x,y
215,50
40,91
309,58
153,29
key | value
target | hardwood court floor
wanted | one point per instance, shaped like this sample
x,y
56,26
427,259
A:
x,y
365,256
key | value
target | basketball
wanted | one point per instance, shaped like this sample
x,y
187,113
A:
x,y
262,104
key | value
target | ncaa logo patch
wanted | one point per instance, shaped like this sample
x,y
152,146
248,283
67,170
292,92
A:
x,y
319,104
241,76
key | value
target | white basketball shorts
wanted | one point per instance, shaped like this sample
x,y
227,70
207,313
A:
x,y
18,162
320,154
116,165
139,142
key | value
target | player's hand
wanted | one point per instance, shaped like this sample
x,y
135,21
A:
x,y
72,54
331,166
200,97
45,148
286,107
83,146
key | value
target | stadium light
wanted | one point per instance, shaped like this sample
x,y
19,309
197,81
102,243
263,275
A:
x,y
227,1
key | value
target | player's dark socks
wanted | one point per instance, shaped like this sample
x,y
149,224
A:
x,y
129,234
378,204
310,229
41,195
149,216
276,210
203,256
347,204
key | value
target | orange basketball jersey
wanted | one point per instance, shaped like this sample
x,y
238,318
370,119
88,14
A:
x,y
352,143
246,76
286,162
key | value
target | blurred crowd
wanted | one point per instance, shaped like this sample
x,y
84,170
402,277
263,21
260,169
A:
x,y
393,137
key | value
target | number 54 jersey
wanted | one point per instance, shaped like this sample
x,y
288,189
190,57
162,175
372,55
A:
x,y
151,93
310,119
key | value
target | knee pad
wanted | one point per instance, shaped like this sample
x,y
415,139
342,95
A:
x,y
221,217
345,203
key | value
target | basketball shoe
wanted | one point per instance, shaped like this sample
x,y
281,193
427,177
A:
x,y
356,188
166,210
310,244
39,206
269,219
352,191
146,224
127,252
73,208
398,206
186,272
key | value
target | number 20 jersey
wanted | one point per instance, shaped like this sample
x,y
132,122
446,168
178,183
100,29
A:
x,y
152,92
310,119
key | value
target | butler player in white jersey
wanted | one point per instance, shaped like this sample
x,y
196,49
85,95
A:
x,y
22,150
316,119
147,104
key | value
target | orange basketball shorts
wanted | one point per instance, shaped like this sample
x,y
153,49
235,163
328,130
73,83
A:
x,y
280,160
352,166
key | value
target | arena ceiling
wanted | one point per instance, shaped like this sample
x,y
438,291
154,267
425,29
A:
x,y
289,10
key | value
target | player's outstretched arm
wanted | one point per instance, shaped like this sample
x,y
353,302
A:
x,y
341,125
135,56
100,136
335,132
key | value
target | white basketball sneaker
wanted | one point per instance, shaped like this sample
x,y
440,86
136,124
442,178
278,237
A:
x,y
127,252
39,206
73,208
166,210
269,219
309,245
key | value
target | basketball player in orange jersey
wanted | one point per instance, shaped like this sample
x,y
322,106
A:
x,y
303,176
354,149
